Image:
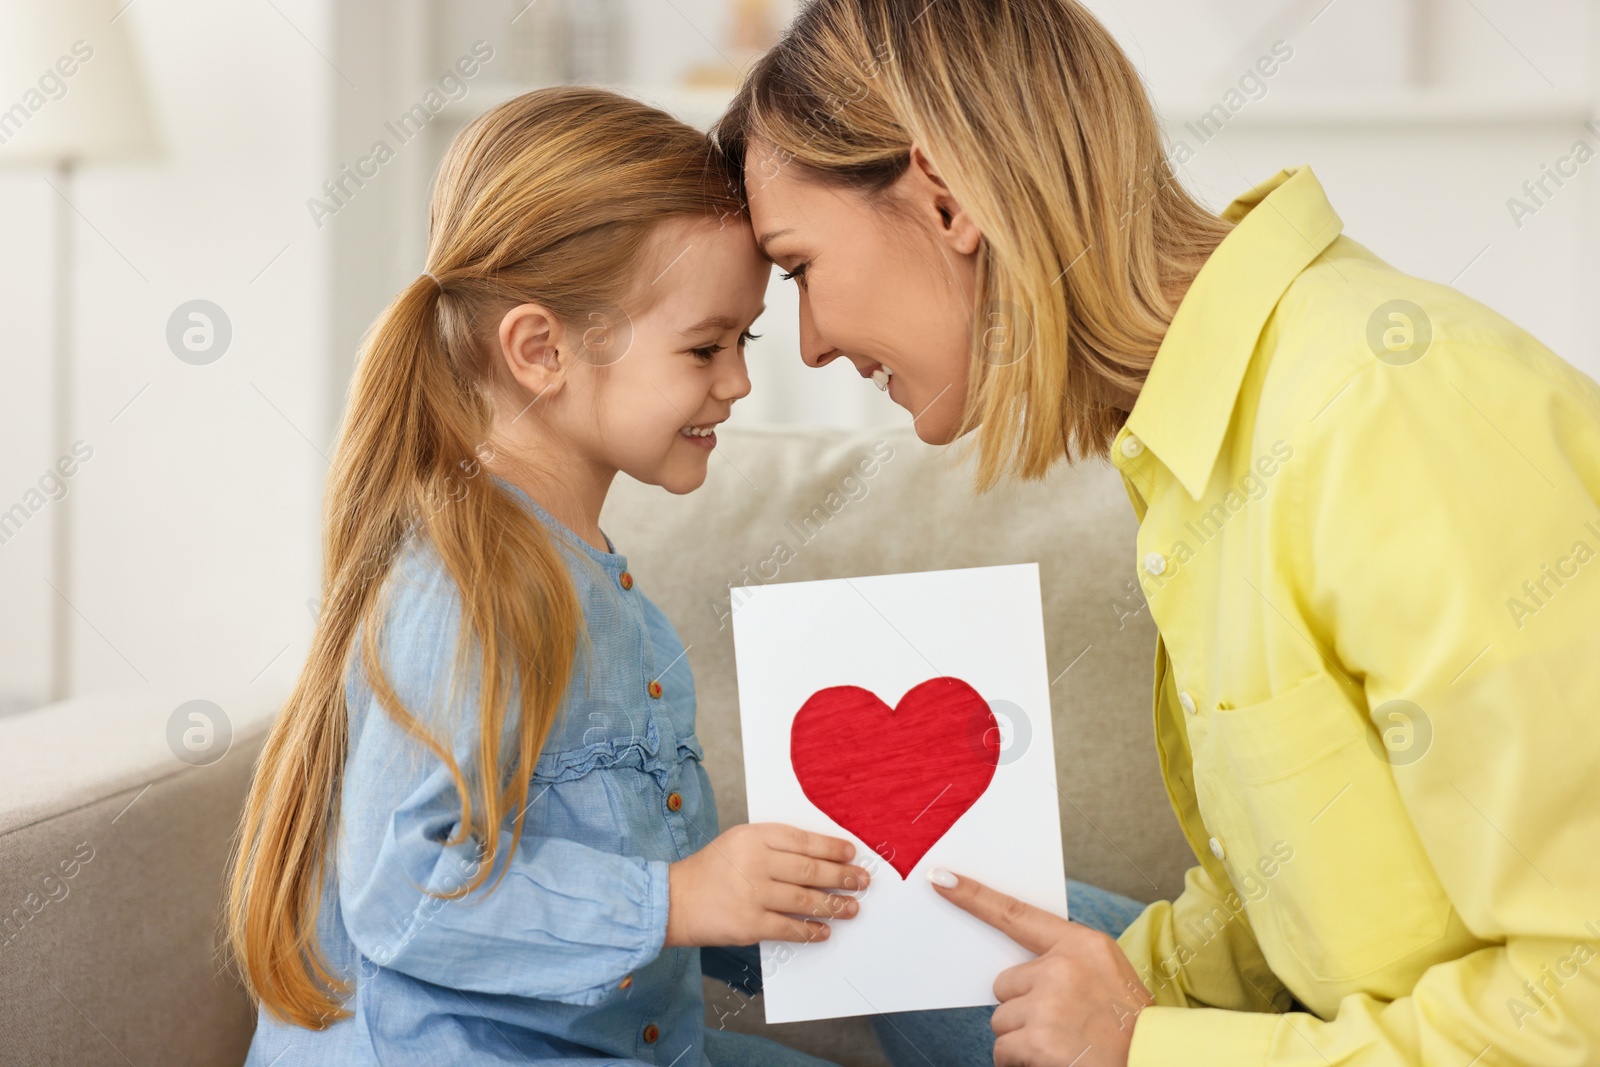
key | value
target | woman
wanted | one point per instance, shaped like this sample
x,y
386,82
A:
x,y
1366,507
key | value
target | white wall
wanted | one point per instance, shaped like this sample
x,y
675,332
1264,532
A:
x,y
198,515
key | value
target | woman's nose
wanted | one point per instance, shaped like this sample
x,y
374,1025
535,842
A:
x,y
814,350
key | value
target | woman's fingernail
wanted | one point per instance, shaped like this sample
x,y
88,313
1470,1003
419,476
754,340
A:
x,y
941,877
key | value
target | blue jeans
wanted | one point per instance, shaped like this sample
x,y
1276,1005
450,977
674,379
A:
x,y
948,1037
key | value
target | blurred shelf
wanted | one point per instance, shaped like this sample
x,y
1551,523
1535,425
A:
x,y
1393,107
1384,108
699,107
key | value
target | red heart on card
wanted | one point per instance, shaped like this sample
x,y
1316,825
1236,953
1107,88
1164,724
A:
x,y
898,778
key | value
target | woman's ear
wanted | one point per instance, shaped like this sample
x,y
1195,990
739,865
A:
x,y
532,340
929,191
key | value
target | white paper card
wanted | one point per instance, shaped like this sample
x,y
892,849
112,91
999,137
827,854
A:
x,y
908,949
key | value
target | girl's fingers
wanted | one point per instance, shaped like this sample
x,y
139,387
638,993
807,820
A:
x,y
797,900
803,870
785,928
788,838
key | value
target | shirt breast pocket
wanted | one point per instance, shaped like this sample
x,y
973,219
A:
x,y
1358,893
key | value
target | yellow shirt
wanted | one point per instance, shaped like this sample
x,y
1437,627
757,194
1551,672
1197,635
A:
x,y
1369,537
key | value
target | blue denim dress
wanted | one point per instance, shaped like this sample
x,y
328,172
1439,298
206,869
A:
x,y
563,962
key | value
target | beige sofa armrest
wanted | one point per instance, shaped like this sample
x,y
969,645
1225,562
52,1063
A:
x,y
112,852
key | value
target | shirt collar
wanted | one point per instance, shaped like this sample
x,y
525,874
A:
x,y
1187,400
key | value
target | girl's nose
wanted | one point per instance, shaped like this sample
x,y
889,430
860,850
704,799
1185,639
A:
x,y
734,384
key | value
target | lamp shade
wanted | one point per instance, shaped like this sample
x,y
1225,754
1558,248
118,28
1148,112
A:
x,y
73,90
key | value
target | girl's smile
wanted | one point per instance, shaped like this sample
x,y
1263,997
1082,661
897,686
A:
x,y
700,436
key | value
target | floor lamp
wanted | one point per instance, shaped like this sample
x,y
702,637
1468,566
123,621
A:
x,y
79,99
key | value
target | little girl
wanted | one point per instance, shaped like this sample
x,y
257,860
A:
x,y
479,830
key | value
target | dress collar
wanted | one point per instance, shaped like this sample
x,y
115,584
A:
x,y
612,560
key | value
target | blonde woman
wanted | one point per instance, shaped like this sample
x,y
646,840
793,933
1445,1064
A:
x,y
1368,515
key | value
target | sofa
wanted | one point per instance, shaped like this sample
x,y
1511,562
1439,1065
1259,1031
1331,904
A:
x,y
113,848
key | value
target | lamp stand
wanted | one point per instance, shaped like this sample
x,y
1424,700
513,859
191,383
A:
x,y
61,433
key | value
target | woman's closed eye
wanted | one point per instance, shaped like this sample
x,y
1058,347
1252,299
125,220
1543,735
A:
x,y
798,274
710,351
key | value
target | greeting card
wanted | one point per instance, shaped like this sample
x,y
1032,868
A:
x,y
909,713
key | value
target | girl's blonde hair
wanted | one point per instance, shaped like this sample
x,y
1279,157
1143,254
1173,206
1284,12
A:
x,y
549,197
1042,129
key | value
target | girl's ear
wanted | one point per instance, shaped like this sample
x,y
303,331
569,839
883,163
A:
x,y
533,348
930,194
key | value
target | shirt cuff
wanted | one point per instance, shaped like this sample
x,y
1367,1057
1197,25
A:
x,y
652,916
657,900
1202,1037
653,924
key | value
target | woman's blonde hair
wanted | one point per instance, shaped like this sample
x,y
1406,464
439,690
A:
x,y
551,197
1043,131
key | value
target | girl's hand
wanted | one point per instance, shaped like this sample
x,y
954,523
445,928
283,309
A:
x,y
1075,1004
747,884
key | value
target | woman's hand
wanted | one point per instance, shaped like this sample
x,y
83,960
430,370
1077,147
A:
x,y
1075,1004
747,884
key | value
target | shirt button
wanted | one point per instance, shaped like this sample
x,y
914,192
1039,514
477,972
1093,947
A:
x,y
654,689
1187,702
626,982
1132,446
651,1032
625,580
674,801
1155,563
1216,848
